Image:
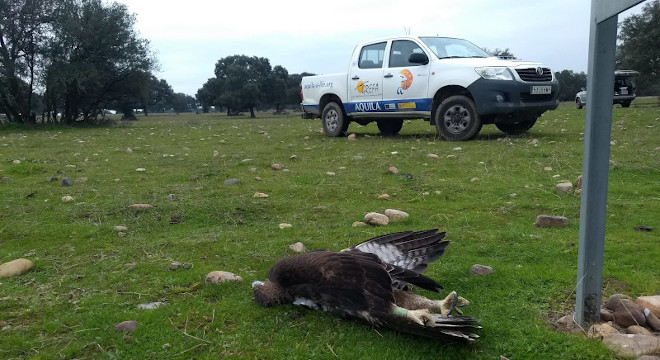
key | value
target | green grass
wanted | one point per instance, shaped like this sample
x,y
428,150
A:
x,y
86,278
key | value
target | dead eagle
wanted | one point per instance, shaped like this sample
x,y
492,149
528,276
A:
x,y
367,282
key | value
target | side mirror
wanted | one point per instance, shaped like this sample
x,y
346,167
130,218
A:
x,y
418,58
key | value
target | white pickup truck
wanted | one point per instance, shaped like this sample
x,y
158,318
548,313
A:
x,y
449,82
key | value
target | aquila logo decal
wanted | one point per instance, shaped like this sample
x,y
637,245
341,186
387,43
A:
x,y
406,81
365,88
367,106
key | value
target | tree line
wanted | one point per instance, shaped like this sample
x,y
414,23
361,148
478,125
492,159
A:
x,y
68,61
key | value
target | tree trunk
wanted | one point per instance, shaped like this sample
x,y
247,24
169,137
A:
x,y
252,112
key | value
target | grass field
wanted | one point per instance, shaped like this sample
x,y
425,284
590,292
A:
x,y
485,195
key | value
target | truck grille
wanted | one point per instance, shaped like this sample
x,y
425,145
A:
x,y
531,74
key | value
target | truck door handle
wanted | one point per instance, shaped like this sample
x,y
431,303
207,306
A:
x,y
355,77
388,76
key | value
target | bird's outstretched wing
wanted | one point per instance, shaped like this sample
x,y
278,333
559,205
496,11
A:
x,y
412,250
449,328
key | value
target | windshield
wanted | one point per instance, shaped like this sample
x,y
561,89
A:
x,y
453,48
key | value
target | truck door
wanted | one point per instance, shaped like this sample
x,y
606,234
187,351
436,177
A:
x,y
405,84
365,80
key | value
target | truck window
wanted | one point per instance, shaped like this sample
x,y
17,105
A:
x,y
400,52
371,56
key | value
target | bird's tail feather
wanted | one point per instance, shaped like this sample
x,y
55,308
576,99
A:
x,y
449,328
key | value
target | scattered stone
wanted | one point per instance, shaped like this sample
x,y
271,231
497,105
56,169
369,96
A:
x,y
606,315
219,276
285,226
257,178
285,170
357,157
128,326
151,305
51,179
481,270
175,265
16,162
172,197
545,221
67,198
578,182
652,320
121,228
298,247
232,181
166,346
194,177
475,179
643,228
351,137
140,169
215,153
636,329
650,302
632,345
66,182
175,219
15,267
383,196
376,219
457,148
598,331
80,180
330,173
534,142
260,195
451,156
121,234
276,167
393,170
564,187
567,324
396,215
547,168
626,316
293,157
358,224
615,301
432,156
140,206
129,150
187,266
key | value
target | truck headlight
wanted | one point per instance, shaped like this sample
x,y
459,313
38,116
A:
x,y
494,73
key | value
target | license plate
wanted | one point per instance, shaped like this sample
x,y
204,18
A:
x,y
536,90
624,91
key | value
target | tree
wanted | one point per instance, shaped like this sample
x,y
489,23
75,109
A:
x,y
275,87
183,103
504,54
570,83
640,47
97,58
241,79
24,30
208,94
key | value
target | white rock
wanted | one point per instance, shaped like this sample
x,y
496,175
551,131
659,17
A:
x,y
396,215
260,195
351,137
330,173
457,148
67,198
358,224
432,156
297,247
16,162
121,228
15,267
564,187
285,226
217,277
393,170
384,196
374,218
547,168
140,169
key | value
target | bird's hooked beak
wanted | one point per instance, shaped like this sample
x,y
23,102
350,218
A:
x,y
257,283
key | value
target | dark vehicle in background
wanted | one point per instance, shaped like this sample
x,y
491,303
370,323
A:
x,y
624,89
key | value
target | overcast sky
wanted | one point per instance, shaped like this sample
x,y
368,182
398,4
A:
x,y
190,36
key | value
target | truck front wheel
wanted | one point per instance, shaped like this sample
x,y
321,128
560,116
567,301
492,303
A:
x,y
335,123
456,118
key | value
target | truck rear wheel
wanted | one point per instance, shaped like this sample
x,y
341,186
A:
x,y
522,124
335,123
456,118
390,127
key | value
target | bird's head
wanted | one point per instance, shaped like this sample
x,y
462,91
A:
x,y
267,293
